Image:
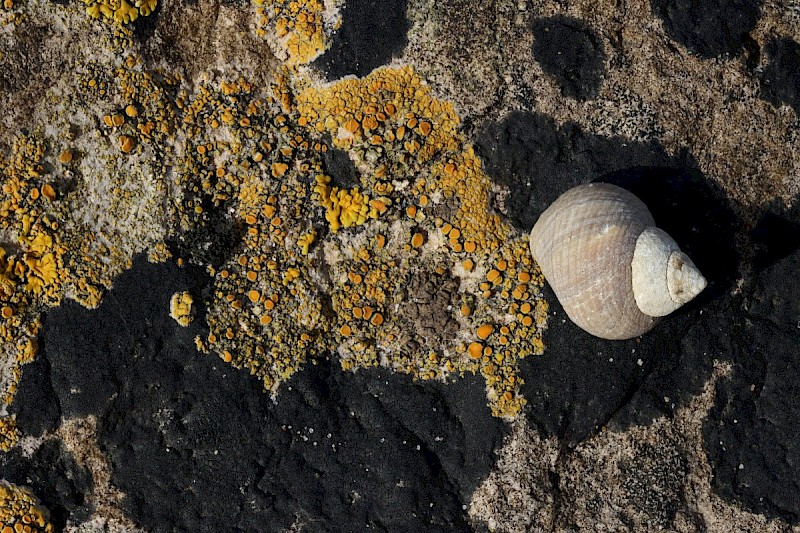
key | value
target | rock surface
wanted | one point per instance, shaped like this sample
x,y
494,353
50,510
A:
x,y
117,418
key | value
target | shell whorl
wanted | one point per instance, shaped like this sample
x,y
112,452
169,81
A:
x,y
585,244
663,278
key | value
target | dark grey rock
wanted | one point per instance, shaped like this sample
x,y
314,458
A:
x,y
710,28
372,32
570,51
780,80
197,445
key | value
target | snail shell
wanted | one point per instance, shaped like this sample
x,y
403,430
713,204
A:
x,y
613,271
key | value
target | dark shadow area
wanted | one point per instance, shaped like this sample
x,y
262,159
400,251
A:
x,y
212,239
751,434
340,167
780,79
371,34
55,478
40,411
752,52
197,445
538,160
572,52
696,213
145,27
774,238
709,28
583,383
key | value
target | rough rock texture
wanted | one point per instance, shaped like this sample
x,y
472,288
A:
x,y
125,424
570,51
649,478
371,449
371,34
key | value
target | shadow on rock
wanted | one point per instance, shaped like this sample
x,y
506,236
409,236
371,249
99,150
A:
x,y
537,160
583,383
570,51
751,434
55,477
197,445
370,35
776,235
780,79
711,28
696,213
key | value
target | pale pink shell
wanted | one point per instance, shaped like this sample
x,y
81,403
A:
x,y
584,244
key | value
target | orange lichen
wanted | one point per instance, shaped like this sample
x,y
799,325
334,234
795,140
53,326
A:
x,y
126,143
294,28
475,350
269,193
484,331
21,512
180,308
119,11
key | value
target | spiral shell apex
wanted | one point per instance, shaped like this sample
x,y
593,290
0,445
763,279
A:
x,y
613,271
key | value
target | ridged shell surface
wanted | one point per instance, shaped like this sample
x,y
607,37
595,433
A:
x,y
584,244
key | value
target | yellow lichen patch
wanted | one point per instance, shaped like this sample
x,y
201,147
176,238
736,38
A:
x,y
294,28
343,208
356,101
20,511
305,241
520,334
42,272
119,11
160,254
180,308
266,309
291,285
446,164
8,433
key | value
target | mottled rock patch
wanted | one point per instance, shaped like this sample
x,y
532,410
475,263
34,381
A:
x,y
371,448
